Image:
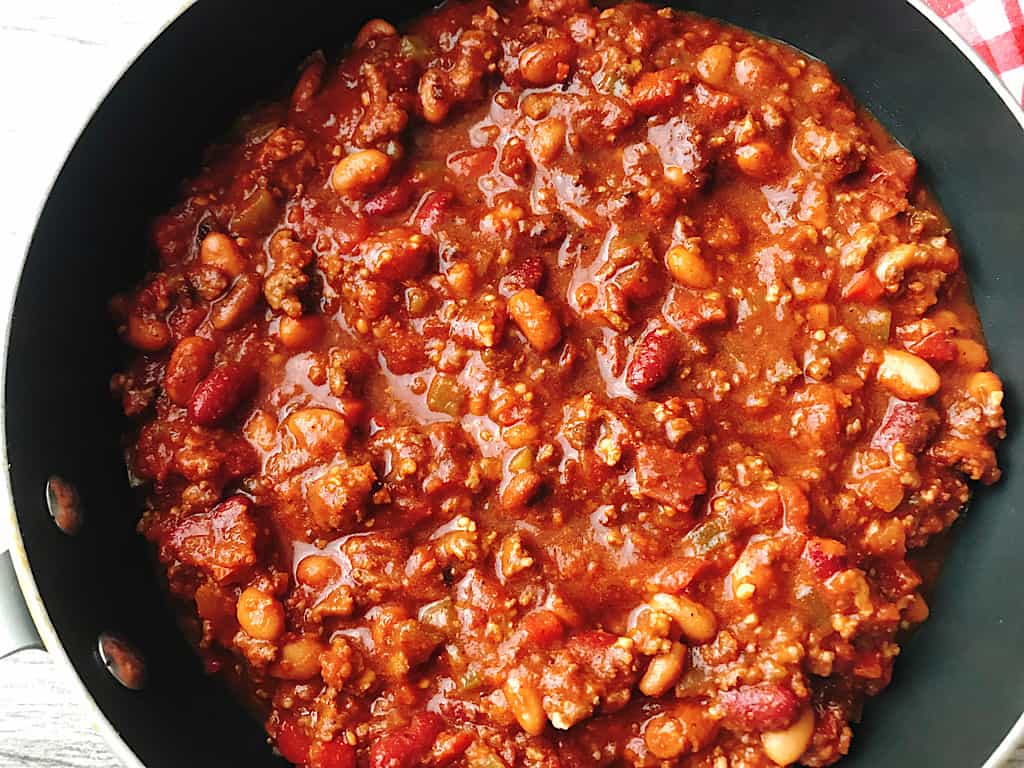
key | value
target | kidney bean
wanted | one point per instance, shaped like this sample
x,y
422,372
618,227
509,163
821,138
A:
x,y
910,423
221,392
936,347
390,200
333,754
897,166
406,747
526,274
292,743
231,311
654,357
472,163
825,557
763,707
450,746
190,361
430,211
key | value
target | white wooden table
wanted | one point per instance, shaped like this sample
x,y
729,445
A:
x,y
58,58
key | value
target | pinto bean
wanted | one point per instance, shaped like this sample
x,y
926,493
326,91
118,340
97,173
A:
x,y
687,266
220,251
190,361
547,62
785,747
663,671
260,614
985,387
907,376
756,159
520,489
146,331
754,70
684,728
300,332
317,571
714,65
231,311
308,84
893,263
547,140
525,702
360,171
697,623
300,659
374,29
531,313
435,94
970,355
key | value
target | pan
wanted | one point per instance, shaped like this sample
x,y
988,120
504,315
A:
x,y
958,692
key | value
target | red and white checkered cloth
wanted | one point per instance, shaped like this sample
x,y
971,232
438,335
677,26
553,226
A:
x,y
995,29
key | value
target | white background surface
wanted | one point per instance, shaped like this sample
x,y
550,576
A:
x,y
57,59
